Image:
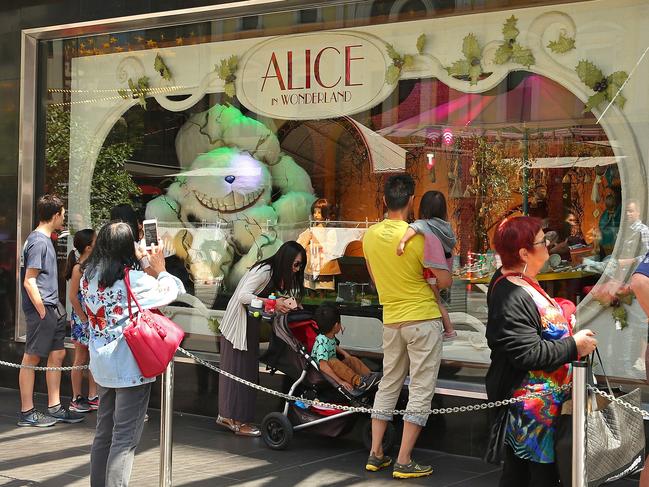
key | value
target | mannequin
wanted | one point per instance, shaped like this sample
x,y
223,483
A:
x,y
319,274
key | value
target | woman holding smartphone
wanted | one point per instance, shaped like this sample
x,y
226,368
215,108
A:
x,y
282,274
123,390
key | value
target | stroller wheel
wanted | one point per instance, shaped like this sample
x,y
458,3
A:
x,y
388,437
276,431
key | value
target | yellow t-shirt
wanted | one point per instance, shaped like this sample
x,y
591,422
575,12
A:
x,y
403,292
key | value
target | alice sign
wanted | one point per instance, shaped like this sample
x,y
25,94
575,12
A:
x,y
314,76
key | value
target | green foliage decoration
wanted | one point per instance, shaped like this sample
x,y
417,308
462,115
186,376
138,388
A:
x,y
160,66
471,66
57,149
421,44
510,49
213,324
400,61
494,178
137,90
616,301
606,88
562,45
227,71
111,183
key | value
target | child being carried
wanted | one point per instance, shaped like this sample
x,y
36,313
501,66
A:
x,y
433,224
348,371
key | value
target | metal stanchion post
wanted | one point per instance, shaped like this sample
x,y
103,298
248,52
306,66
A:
x,y
166,428
579,370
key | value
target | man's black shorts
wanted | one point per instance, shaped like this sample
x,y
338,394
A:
x,y
47,334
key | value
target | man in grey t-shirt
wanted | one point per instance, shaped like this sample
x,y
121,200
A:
x,y
44,315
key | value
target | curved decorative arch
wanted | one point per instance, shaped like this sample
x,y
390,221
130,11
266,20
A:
x,y
95,122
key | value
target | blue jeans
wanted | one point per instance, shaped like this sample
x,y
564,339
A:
x,y
120,421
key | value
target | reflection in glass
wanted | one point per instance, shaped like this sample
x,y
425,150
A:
x,y
228,186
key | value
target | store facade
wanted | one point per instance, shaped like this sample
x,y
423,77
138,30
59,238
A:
x,y
227,123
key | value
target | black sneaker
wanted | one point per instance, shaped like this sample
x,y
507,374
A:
x,y
63,415
411,471
80,405
374,463
367,382
35,418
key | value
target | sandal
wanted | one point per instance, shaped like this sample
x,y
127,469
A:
x,y
240,429
245,429
227,423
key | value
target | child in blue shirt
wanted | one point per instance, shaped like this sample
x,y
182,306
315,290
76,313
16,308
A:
x,y
349,371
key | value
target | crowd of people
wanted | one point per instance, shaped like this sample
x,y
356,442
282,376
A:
x,y
100,313
529,332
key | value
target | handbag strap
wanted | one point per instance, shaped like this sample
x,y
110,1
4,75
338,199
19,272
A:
x,y
129,293
601,364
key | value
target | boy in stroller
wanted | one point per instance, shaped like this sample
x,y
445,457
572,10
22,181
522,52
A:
x,y
350,372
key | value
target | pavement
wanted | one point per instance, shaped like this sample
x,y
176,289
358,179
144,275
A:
x,y
206,455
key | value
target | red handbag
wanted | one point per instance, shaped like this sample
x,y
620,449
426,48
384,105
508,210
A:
x,y
152,337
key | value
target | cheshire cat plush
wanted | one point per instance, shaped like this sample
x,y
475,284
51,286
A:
x,y
234,174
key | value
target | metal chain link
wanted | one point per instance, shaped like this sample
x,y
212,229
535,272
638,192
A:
x,y
43,369
612,398
357,409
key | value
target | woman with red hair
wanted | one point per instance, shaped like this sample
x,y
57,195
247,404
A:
x,y
532,345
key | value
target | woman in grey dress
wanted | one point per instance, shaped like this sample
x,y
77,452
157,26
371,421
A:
x,y
282,274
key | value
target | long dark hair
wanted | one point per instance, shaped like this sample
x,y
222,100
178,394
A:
x,y
433,205
281,268
125,213
113,251
82,239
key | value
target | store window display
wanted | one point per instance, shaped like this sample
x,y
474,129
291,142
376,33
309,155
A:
x,y
320,273
233,147
231,165
609,224
568,237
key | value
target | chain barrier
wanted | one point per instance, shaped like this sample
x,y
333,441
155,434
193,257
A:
x,y
358,409
341,407
612,398
43,369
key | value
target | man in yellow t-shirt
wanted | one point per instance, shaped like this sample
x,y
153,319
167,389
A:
x,y
412,333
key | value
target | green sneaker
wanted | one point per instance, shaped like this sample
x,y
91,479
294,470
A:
x,y
374,464
411,470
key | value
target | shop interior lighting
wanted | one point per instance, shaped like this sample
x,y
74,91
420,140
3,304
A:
x,y
447,136
430,158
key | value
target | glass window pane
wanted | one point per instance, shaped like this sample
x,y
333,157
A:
x,y
241,134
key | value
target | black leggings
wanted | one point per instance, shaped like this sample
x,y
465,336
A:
x,y
525,473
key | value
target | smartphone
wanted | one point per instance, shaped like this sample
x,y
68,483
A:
x,y
150,232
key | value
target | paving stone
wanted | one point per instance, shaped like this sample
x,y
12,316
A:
x,y
205,455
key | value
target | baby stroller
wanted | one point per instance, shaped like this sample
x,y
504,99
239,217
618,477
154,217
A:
x,y
289,351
